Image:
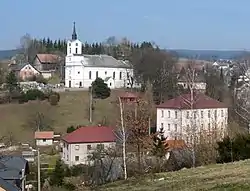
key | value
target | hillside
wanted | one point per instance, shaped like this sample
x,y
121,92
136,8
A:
x,y
209,54
7,54
220,177
19,120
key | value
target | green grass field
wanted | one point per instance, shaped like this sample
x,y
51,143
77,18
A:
x,y
19,120
223,177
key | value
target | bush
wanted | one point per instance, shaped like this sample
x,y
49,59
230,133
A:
x,y
54,98
71,129
34,94
40,79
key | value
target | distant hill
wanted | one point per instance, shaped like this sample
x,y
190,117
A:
x,y
209,54
7,54
182,53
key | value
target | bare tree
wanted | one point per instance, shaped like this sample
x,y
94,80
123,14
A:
x,y
122,136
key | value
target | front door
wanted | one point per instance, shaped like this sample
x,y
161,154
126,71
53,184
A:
x,y
70,84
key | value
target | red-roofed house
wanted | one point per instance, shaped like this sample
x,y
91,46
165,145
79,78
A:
x,y
79,144
177,118
44,138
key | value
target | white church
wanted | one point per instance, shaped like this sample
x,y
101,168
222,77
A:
x,y
81,69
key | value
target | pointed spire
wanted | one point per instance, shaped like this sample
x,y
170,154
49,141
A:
x,y
74,35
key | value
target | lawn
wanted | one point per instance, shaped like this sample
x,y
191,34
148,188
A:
x,y
17,120
232,176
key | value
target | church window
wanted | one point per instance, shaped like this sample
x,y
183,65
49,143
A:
x,y
113,75
70,50
76,50
127,75
78,72
69,44
96,74
120,75
89,74
76,44
105,72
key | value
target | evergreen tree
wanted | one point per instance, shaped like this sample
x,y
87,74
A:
x,y
12,83
100,89
57,176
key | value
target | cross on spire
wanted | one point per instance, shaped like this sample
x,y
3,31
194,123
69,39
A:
x,y
74,35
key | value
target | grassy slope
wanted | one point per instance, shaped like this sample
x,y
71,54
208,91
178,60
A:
x,y
233,176
72,110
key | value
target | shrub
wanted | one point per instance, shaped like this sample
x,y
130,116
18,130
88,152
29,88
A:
x,y
100,89
34,94
71,129
54,99
40,79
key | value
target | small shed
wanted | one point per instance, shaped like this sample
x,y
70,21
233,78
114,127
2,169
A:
x,y
129,97
44,138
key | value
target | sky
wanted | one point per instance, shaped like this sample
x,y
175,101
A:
x,y
175,24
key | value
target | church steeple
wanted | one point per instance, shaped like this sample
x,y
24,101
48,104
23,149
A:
x,y
74,35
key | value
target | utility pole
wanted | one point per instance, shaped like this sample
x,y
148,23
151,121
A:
x,y
90,104
38,171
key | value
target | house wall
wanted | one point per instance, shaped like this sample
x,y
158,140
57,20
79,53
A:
x,y
44,142
178,123
27,72
71,151
1,189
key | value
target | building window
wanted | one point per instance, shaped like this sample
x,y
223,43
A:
x,y
96,74
78,72
202,127
195,114
44,140
215,114
209,127
127,75
162,125
168,127
208,114
175,127
76,44
105,72
168,114
77,147
70,50
120,75
222,113
175,114
89,74
80,84
202,114
113,75
187,115
88,147
76,50
100,147
69,44
76,158
162,113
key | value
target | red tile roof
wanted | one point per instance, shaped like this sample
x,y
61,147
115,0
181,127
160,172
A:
x,y
95,134
175,144
44,135
128,95
48,58
201,101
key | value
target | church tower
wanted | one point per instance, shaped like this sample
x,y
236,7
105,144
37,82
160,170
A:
x,y
74,46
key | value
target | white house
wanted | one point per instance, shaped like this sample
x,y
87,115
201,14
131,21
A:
x,y
78,145
81,70
178,117
44,138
